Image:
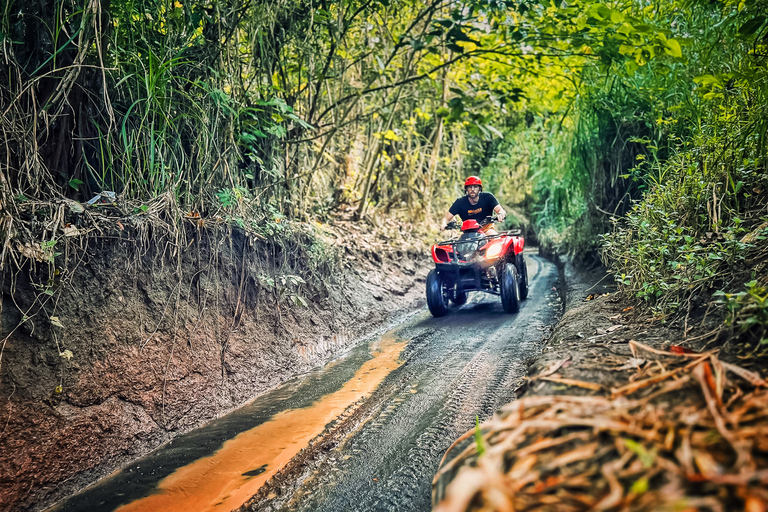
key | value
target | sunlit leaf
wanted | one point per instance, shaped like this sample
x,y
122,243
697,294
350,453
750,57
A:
x,y
673,48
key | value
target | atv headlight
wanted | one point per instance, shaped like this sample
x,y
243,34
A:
x,y
493,251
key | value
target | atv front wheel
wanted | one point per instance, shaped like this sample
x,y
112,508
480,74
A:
x,y
510,289
522,269
437,299
459,298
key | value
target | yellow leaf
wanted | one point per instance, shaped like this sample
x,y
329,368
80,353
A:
x,y
640,486
391,135
673,48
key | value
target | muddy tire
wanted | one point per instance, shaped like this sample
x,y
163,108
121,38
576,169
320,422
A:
x,y
459,298
522,270
437,299
510,289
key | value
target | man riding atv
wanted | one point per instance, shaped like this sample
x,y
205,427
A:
x,y
476,205
479,260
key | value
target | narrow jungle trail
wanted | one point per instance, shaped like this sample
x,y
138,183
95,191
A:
x,y
379,420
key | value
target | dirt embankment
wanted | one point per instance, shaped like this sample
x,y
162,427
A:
x,y
135,345
622,411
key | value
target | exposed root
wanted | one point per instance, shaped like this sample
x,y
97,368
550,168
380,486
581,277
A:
x,y
688,435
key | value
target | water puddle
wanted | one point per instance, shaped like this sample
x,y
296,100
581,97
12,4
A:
x,y
226,478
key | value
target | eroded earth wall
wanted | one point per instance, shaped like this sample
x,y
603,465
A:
x,y
135,343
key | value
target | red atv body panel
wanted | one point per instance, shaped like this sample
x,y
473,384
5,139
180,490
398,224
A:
x,y
469,225
511,246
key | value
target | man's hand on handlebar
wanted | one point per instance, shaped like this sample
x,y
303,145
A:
x,y
450,225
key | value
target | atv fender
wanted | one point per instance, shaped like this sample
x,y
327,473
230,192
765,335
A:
x,y
512,246
442,253
519,244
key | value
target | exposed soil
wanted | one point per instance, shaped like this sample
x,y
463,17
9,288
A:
x,y
593,335
161,343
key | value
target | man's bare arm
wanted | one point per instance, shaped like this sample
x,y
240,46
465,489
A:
x,y
446,219
500,212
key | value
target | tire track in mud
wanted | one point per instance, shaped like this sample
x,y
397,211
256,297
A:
x,y
385,453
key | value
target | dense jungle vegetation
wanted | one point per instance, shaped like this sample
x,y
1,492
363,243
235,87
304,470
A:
x,y
644,119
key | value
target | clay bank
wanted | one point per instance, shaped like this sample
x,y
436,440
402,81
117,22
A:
x,y
117,345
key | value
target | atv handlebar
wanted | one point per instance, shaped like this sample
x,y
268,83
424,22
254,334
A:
x,y
456,225
452,225
489,220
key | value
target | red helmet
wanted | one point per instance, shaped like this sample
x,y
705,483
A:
x,y
473,180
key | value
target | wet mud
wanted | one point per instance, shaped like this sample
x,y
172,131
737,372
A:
x,y
455,369
226,479
154,350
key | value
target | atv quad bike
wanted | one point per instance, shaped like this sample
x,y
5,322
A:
x,y
476,262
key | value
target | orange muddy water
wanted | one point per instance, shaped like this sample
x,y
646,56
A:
x,y
221,482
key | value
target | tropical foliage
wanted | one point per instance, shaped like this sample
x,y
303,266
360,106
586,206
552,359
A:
x,y
251,112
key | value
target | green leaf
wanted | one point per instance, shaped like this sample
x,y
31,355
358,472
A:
x,y
479,445
645,456
673,48
626,29
75,183
640,486
456,34
626,49
455,48
599,11
752,26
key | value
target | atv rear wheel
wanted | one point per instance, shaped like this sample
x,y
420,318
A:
x,y
522,270
437,298
459,298
510,289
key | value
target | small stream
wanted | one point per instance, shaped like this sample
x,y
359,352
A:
x,y
222,464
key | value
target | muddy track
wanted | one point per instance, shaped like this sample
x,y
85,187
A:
x,y
381,453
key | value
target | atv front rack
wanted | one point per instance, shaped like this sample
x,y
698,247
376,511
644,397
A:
x,y
509,232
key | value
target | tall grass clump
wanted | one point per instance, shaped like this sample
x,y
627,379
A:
x,y
579,171
702,225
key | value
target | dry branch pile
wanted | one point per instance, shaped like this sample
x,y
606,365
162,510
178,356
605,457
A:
x,y
687,432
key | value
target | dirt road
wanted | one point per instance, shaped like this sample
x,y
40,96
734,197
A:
x,y
456,368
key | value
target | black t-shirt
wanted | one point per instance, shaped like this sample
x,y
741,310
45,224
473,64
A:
x,y
486,202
